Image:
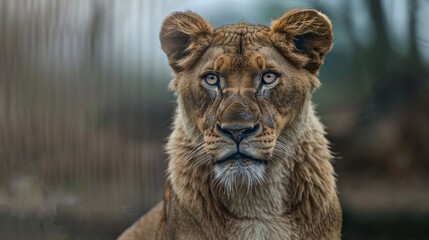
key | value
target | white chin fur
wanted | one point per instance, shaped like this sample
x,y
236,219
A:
x,y
238,176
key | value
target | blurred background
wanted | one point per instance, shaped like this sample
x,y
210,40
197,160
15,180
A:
x,y
85,110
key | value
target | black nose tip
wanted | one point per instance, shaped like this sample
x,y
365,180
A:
x,y
238,133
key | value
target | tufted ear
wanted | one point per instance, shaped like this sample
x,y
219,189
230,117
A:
x,y
184,36
303,37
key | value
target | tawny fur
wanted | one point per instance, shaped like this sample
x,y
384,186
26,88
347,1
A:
x,y
296,197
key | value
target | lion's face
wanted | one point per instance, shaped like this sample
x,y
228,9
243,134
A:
x,y
241,86
240,104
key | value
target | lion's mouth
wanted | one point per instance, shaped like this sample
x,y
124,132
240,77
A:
x,y
239,157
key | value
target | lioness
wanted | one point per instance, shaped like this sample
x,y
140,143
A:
x,y
248,156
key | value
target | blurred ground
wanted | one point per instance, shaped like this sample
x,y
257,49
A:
x,y
85,110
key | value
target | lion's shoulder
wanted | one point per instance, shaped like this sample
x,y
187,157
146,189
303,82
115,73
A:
x,y
147,226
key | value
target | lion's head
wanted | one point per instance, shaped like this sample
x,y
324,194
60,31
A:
x,y
243,89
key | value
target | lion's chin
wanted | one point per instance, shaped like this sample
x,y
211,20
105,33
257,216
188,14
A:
x,y
238,175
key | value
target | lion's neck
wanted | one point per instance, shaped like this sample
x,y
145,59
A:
x,y
291,185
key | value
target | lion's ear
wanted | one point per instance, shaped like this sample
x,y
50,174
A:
x,y
184,36
303,36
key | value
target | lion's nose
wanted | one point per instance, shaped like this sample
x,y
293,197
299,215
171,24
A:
x,y
238,133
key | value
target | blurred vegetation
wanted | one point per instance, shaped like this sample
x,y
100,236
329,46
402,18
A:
x,y
85,110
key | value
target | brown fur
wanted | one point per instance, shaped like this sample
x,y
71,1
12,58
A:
x,y
292,195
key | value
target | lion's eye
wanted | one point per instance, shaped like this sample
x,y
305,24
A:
x,y
269,77
211,79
